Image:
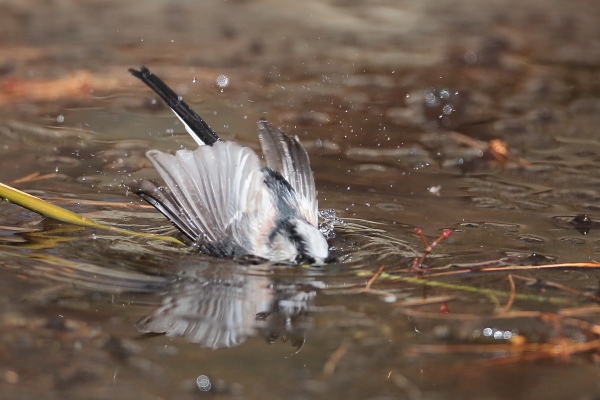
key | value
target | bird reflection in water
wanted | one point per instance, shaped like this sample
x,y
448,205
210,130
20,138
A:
x,y
221,306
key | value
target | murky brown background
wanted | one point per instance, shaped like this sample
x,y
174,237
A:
x,y
378,92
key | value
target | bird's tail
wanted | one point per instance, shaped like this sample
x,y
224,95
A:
x,y
194,125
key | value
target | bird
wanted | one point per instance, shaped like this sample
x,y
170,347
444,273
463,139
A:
x,y
225,201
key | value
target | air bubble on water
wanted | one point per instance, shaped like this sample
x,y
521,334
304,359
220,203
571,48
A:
x,y
60,119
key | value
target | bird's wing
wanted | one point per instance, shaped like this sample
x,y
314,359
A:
x,y
163,200
286,155
194,125
216,187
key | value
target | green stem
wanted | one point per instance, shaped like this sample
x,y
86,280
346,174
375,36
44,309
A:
x,y
49,210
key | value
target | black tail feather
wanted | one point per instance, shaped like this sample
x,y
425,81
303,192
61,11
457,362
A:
x,y
194,124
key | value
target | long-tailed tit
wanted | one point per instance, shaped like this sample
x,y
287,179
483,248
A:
x,y
225,201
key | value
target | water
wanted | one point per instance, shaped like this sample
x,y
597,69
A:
x,y
396,106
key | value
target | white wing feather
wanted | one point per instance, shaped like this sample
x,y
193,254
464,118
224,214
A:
x,y
219,187
286,155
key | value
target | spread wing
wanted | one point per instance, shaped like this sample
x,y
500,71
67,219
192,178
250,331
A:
x,y
163,200
211,189
286,155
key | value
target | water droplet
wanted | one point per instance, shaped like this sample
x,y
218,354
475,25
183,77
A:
x,y
470,57
203,383
222,81
430,98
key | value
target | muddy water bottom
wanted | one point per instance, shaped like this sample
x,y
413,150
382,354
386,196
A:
x,y
90,314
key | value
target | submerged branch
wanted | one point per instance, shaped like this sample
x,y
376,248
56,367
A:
x,y
49,210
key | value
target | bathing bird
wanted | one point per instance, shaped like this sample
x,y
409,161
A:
x,y
225,201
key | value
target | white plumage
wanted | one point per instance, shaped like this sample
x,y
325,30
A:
x,y
226,202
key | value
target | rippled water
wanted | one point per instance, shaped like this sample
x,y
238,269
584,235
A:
x,y
396,105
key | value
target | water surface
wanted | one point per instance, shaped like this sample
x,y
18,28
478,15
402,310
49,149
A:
x,y
396,105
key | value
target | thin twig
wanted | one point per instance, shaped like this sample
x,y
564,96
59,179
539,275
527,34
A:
x,y
511,299
511,268
428,247
374,277
403,383
560,287
334,359
36,176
